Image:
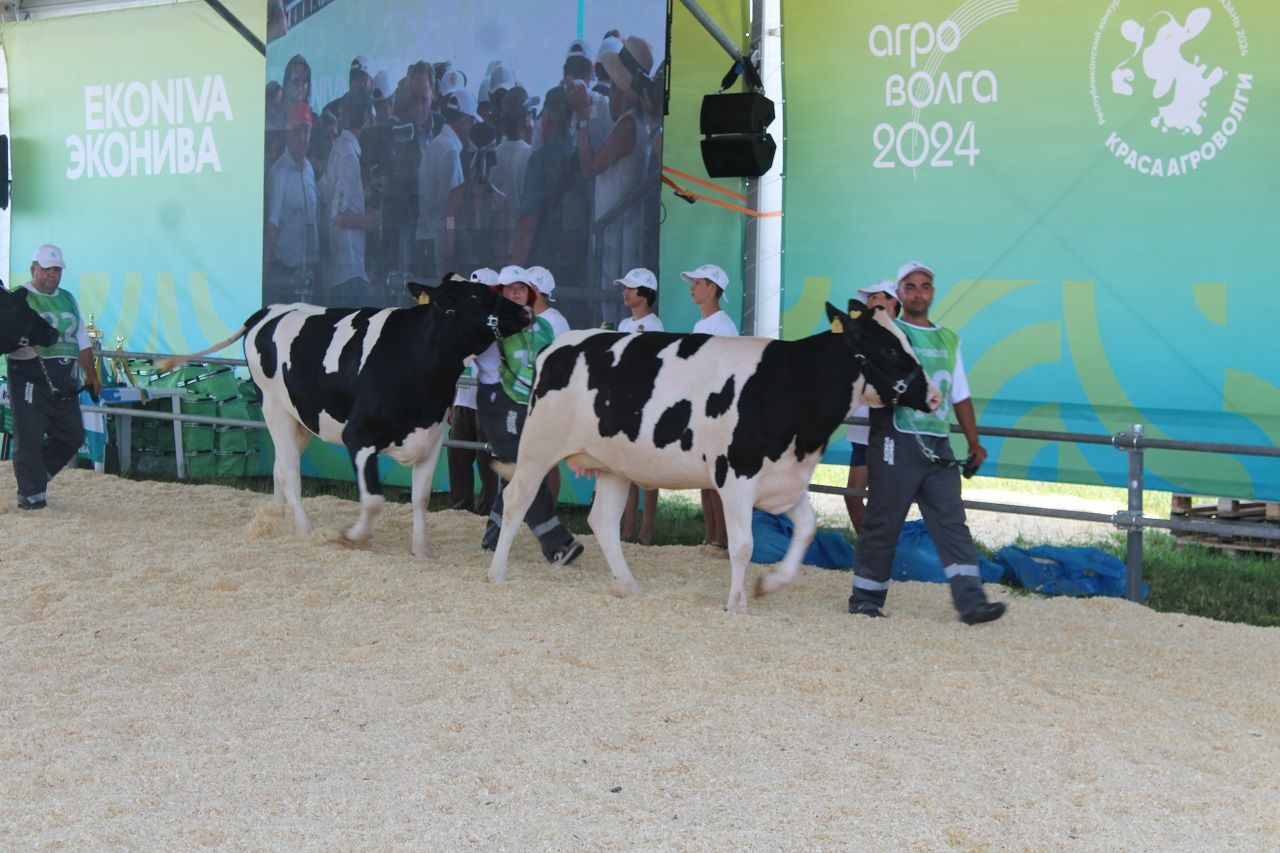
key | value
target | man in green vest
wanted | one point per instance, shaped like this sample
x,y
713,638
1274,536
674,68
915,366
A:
x,y
909,459
44,383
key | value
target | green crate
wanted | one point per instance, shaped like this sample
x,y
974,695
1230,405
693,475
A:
x,y
235,464
234,440
218,383
238,408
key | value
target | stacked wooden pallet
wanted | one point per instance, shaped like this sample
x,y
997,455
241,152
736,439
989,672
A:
x,y
1235,511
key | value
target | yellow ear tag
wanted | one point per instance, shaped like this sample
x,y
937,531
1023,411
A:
x,y
424,299
855,314
837,326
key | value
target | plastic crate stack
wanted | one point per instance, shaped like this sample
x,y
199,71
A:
x,y
208,451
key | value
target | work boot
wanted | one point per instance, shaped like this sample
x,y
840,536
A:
x,y
987,612
865,608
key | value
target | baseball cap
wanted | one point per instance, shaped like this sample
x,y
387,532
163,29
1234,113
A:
x,y
708,271
542,279
49,256
502,77
462,101
638,277
361,62
578,48
382,88
612,43
513,275
485,275
299,114
912,266
452,80
881,286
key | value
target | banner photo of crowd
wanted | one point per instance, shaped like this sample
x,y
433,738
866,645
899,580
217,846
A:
x,y
410,138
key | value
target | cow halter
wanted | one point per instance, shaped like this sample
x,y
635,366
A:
x,y
899,386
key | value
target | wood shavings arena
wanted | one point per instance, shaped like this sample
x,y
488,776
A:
x,y
178,669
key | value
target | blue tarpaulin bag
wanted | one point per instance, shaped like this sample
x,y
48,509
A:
x,y
772,535
1067,571
916,558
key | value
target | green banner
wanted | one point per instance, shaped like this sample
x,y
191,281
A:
x,y
1094,184
137,148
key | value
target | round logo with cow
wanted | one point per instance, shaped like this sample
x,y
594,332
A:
x,y
1171,83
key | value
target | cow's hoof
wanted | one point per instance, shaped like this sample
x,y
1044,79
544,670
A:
x,y
624,590
497,577
425,552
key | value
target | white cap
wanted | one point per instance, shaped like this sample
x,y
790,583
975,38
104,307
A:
x,y
382,88
452,81
502,77
708,271
912,266
485,275
612,43
543,280
578,47
881,286
462,101
49,256
361,62
514,275
638,277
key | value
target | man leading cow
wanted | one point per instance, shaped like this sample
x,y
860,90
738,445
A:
x,y
909,459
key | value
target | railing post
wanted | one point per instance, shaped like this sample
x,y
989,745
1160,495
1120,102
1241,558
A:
x,y
1133,543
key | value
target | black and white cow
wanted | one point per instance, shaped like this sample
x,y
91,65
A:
x,y
373,380
20,324
749,417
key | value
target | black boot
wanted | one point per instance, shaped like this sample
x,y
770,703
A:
x,y
971,602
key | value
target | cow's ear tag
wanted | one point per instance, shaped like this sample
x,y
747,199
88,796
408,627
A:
x,y
837,326
855,314
424,298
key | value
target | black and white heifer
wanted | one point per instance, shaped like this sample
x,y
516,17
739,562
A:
x,y
749,417
20,324
374,380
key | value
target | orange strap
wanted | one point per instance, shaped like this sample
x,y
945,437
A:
x,y
691,197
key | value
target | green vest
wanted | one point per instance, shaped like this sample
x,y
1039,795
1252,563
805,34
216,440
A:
x,y
62,313
937,349
519,352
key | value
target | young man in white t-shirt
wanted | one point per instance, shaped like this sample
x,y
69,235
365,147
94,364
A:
x,y
706,285
545,282
883,293
639,292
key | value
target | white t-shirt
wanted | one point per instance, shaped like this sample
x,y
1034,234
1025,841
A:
x,y
466,395
559,324
649,323
717,324
860,434
346,245
487,364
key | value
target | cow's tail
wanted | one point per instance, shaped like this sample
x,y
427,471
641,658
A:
x,y
505,470
175,361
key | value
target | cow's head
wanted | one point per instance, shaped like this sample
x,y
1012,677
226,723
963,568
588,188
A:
x,y
20,325
889,365
474,305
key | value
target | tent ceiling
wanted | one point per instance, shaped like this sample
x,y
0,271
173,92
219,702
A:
x,y
30,10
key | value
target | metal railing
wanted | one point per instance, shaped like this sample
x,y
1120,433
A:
x,y
1133,442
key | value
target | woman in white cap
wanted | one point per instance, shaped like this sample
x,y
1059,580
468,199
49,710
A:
x,y
620,164
882,294
506,374
706,285
639,292
464,426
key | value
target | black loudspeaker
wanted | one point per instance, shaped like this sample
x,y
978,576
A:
x,y
738,155
4,171
737,144
743,112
